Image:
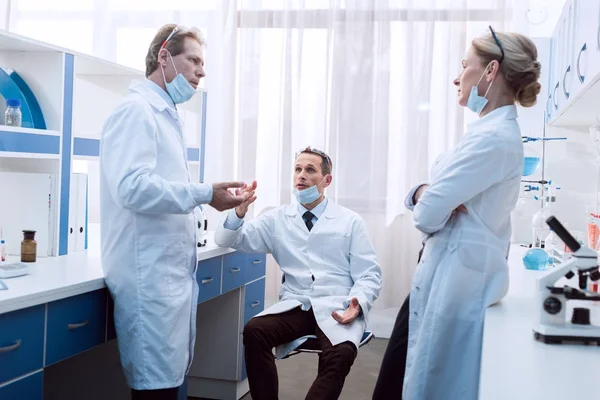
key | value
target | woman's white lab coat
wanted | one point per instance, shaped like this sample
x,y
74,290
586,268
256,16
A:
x,y
463,269
148,237
337,252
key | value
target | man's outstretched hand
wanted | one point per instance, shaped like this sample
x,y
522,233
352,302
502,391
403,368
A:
x,y
242,209
351,313
223,199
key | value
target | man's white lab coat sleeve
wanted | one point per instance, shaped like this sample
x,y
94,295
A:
x,y
479,163
128,157
254,236
364,268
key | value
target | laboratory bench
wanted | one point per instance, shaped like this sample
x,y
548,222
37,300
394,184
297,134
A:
x,y
516,366
56,323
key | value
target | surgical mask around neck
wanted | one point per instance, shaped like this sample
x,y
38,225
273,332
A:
x,y
308,195
477,103
179,88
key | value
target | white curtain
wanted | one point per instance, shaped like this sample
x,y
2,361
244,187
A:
x,y
368,81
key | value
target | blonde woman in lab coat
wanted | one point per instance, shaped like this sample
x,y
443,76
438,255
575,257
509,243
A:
x,y
464,214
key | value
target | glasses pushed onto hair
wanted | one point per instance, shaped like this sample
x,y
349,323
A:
x,y
182,29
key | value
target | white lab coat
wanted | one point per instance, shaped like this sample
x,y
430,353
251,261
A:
x,y
463,268
149,237
337,251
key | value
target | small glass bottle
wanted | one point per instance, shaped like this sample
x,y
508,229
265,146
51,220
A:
x,y
28,247
13,116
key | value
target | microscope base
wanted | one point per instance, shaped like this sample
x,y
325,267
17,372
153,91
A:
x,y
563,339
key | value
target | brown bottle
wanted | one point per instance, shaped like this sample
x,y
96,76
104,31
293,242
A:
x,y
28,247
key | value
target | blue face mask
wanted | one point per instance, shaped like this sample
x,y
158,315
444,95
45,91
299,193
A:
x,y
179,88
477,103
308,195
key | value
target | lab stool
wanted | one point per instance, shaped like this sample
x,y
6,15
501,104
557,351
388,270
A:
x,y
311,345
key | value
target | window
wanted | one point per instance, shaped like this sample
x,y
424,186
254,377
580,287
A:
x,y
160,5
54,5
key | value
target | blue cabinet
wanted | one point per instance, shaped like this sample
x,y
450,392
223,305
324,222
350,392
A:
x,y
254,303
240,268
75,324
234,267
254,299
256,266
21,342
29,388
208,276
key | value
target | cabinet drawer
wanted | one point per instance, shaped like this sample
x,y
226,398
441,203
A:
x,y
254,299
208,276
21,342
234,270
75,324
256,266
30,388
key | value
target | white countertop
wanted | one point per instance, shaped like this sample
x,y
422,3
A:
x,y
54,278
515,366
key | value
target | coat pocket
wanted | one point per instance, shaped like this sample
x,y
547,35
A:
x,y
162,265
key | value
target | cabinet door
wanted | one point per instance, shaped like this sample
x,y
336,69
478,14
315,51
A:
x,y
587,43
81,221
78,213
21,342
566,55
553,83
29,388
75,324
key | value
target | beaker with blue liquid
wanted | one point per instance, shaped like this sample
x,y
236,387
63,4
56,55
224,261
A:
x,y
537,259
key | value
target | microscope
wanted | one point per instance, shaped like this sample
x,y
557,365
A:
x,y
553,325
202,226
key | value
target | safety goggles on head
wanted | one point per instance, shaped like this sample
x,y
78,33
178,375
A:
x,y
498,43
177,29
315,151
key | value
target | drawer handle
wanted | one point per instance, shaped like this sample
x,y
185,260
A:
x,y
581,77
207,280
77,326
255,304
256,262
564,83
554,97
235,270
11,347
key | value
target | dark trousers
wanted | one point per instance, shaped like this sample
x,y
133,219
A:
x,y
263,333
391,376
160,394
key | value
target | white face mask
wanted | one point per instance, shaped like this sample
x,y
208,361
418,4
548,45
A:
x,y
477,103
308,195
179,88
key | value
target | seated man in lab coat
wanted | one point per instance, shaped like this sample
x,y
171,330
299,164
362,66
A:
x,y
331,277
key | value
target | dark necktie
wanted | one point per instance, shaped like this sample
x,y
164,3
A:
x,y
307,217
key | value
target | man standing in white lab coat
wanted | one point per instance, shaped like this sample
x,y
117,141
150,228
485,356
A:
x,y
147,221
331,277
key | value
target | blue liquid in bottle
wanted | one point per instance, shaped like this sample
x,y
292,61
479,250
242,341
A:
x,y
536,259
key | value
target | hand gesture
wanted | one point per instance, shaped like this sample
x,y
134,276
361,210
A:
x,y
223,199
351,313
242,209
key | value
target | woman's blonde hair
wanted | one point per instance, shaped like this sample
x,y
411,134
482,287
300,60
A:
x,y
519,67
